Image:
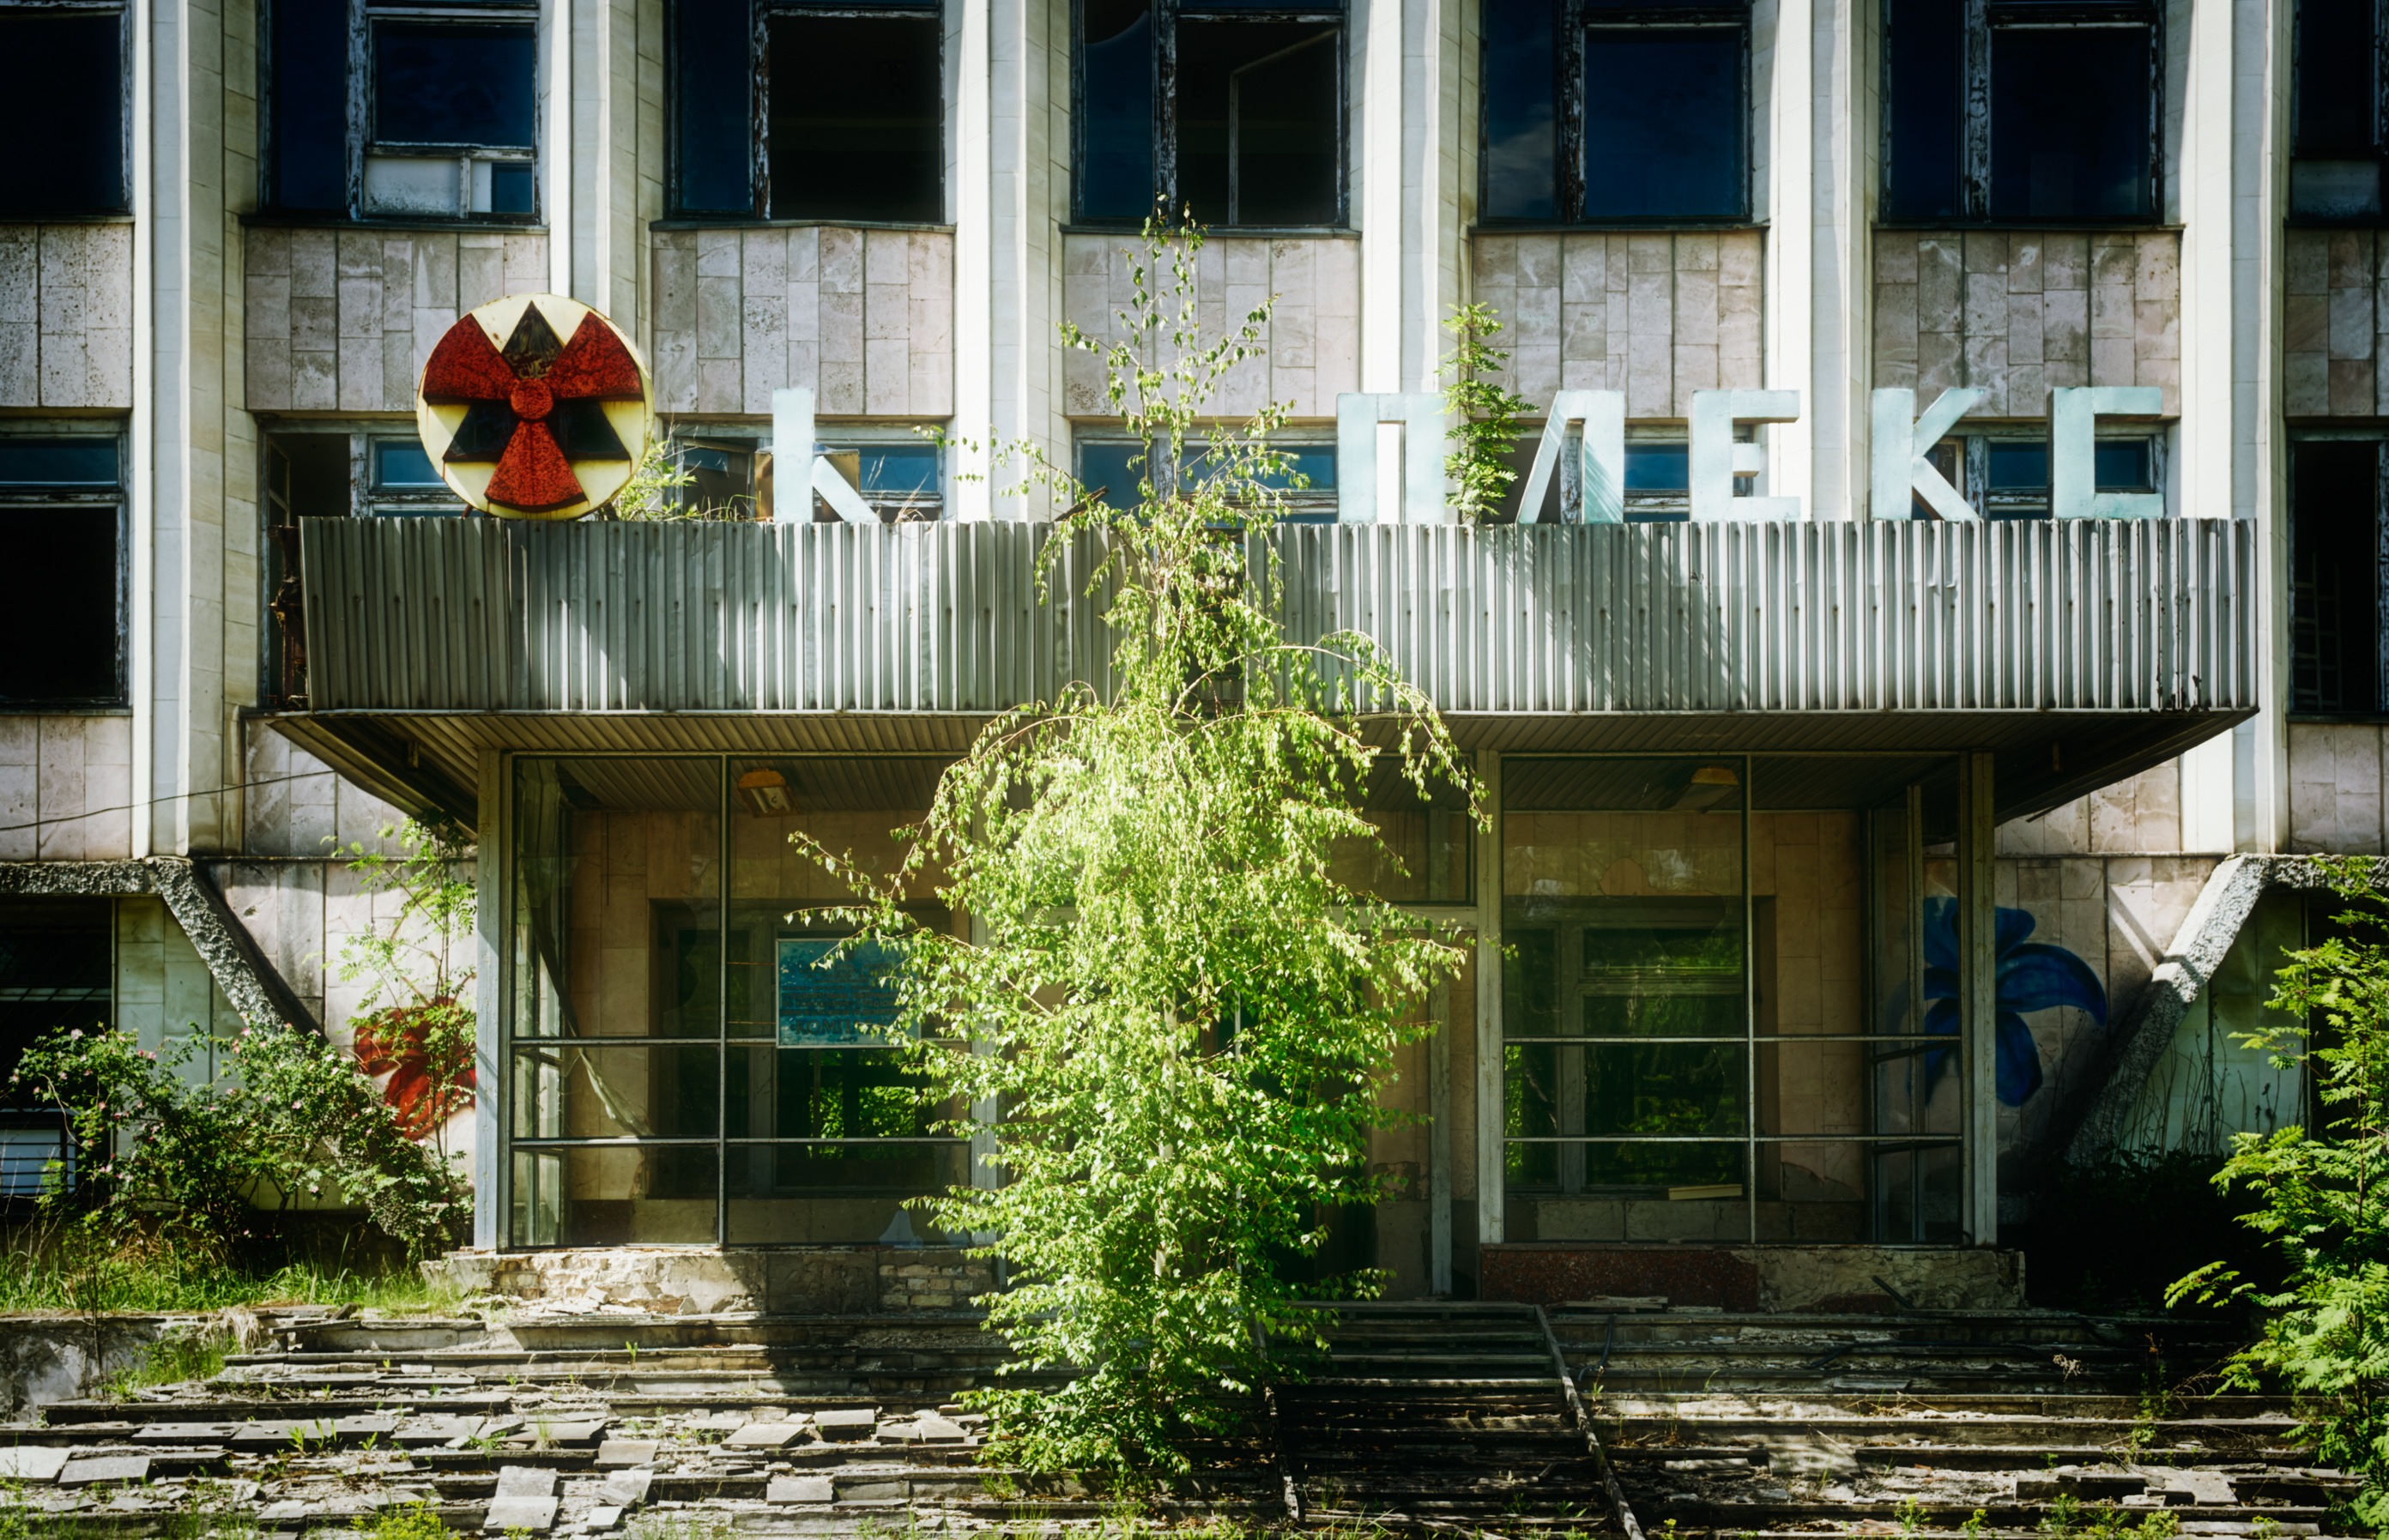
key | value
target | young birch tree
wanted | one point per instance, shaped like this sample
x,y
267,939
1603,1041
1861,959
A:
x,y
1185,1013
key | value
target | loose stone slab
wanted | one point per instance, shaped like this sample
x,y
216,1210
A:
x,y
847,1425
602,1519
626,1487
615,1453
800,1489
264,1437
2202,1488
926,1429
537,1514
417,1431
275,1513
186,1432
576,1430
765,1435
525,1481
32,1462
93,1469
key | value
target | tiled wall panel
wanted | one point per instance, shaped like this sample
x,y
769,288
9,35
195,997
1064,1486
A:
x,y
2335,323
1656,315
1310,347
2337,775
341,319
2020,313
864,317
66,316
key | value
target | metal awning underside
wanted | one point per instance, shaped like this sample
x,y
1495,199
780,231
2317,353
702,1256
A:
x,y
2079,652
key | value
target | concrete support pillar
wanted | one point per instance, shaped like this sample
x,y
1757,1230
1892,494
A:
x,y
968,28
1786,353
1490,1122
494,873
1977,995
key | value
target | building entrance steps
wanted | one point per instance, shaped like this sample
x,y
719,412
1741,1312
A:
x,y
1483,1418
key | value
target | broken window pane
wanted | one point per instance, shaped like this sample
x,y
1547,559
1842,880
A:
x,y
64,114
310,106
2070,115
1116,166
441,84
90,462
1927,43
1663,123
2335,631
1520,149
712,42
402,462
1257,106
855,106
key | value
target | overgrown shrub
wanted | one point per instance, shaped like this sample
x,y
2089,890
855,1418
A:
x,y
2323,1195
1182,1007
1485,414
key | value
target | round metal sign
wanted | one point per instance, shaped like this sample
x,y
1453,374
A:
x,y
534,406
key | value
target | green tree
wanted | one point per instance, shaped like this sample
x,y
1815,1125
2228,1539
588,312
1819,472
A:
x,y
1484,414
1182,1008
2323,1203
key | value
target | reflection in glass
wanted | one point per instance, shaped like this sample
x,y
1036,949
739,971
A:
x,y
1663,124
2070,122
1520,157
1115,170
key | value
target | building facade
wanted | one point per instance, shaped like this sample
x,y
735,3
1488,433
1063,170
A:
x,y
1948,590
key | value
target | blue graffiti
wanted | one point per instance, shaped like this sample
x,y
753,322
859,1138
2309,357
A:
x,y
2032,975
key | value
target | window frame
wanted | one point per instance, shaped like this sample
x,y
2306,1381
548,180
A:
x,y
761,13
1309,505
361,147
116,500
123,11
1969,454
2377,151
1570,20
828,438
1976,92
1166,187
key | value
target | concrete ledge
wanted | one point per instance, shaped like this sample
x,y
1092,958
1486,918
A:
x,y
703,1280
1754,1278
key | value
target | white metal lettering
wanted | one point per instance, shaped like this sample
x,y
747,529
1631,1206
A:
x,y
1900,442
1716,459
1601,414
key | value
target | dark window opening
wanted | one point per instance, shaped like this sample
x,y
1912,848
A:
x,y
64,114
859,140
1112,470
1252,133
901,480
63,640
449,111
2068,106
57,970
841,119
2009,478
2337,566
2337,140
1599,112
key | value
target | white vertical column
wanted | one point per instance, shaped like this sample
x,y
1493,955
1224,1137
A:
x,y
1380,200
1432,241
1792,223
1842,122
557,97
969,22
2258,144
490,984
140,474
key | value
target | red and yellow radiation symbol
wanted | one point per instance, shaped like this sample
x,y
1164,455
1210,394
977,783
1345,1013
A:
x,y
534,406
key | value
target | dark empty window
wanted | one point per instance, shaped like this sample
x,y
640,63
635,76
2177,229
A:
x,y
57,970
2336,139
1113,469
448,108
63,639
1602,110
2336,567
64,114
2042,112
1250,135
850,97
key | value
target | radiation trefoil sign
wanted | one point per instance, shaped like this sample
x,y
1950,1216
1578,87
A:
x,y
534,406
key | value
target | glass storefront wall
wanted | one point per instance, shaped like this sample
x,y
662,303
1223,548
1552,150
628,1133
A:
x,y
1706,1025
679,1070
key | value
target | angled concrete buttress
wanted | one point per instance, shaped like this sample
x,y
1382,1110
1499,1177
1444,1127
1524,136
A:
x,y
240,969
2197,950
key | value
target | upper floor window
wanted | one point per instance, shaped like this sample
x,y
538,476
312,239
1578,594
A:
x,y
63,115
414,111
2021,111
2339,650
1599,110
809,109
2006,475
1112,468
62,638
2336,137
1231,110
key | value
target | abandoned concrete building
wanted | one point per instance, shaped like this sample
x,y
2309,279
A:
x,y
1945,597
